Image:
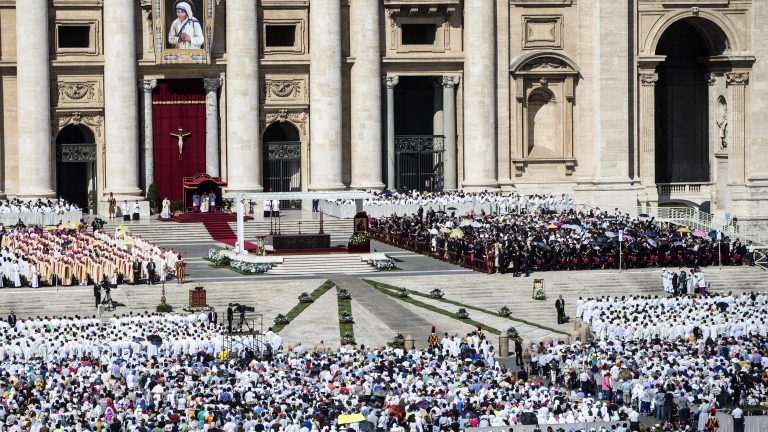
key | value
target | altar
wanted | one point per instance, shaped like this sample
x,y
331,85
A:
x,y
279,242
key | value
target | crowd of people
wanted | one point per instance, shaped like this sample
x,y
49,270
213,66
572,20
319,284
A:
x,y
550,235
68,254
58,206
678,358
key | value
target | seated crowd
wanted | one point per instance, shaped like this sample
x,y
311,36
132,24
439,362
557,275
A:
x,y
522,241
40,206
69,255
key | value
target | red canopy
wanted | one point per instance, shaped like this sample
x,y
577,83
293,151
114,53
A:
x,y
192,184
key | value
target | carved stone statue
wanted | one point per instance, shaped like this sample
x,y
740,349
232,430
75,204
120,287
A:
x,y
722,125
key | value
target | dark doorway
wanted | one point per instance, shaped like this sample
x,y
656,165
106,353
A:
x,y
418,147
282,161
682,106
76,166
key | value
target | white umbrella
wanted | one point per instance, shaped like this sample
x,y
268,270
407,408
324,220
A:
x,y
433,231
476,224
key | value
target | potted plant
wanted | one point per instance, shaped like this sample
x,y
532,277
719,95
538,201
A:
x,y
305,298
359,243
164,308
281,319
223,260
343,294
347,339
402,292
398,341
436,293
512,333
153,198
346,318
504,311
462,313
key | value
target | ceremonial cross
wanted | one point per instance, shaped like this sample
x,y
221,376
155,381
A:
x,y
181,135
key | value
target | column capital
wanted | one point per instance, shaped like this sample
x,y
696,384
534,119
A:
x,y
737,78
211,84
649,79
147,85
390,81
450,81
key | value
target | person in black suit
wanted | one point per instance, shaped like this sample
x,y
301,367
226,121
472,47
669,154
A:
x,y
12,319
213,317
136,267
518,352
560,306
230,317
151,270
97,295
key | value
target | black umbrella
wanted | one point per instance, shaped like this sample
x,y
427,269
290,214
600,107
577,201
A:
x,y
155,340
138,339
385,192
380,393
723,306
543,245
366,426
66,243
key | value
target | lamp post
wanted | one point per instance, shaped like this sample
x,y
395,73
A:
x,y
162,296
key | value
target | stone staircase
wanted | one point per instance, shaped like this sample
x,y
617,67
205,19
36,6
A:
x,y
322,264
170,232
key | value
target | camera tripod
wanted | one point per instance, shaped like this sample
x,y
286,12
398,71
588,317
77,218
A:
x,y
110,306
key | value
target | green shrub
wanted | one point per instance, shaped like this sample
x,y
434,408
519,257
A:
x,y
164,308
153,197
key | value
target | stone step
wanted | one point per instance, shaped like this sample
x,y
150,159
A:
x,y
322,264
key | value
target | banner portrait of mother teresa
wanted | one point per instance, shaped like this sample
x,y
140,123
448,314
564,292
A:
x,y
183,31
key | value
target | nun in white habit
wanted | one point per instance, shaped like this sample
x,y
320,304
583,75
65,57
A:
x,y
185,32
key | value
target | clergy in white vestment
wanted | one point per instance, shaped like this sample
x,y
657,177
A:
x,y
166,208
126,211
204,203
212,201
186,31
15,274
196,202
34,282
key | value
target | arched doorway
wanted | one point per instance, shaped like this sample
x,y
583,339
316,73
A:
x,y
282,161
76,166
682,100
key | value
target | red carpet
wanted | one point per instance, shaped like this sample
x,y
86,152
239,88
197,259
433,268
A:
x,y
217,225
332,250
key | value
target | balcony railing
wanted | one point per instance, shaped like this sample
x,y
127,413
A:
x,y
671,189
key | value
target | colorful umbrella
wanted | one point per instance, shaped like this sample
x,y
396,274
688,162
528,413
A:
x,y
699,233
351,418
683,230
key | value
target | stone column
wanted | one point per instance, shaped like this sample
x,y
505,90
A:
x,y
450,174
648,130
34,100
212,126
737,81
149,133
244,159
121,128
390,82
325,94
480,153
366,95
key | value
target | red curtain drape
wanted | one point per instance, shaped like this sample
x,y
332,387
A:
x,y
178,103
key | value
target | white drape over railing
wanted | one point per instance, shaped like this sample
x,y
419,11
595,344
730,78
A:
x,y
348,211
44,219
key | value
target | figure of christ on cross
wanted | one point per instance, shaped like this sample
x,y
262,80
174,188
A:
x,y
181,135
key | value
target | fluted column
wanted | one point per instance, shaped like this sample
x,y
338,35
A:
x,y
121,112
244,159
648,129
390,82
479,96
737,82
149,132
366,95
33,88
325,94
212,125
450,174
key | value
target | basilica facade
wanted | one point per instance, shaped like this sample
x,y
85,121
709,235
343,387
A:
x,y
616,103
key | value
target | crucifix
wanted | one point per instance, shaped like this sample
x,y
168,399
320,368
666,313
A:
x,y
181,135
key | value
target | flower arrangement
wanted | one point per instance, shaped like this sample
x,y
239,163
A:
x,y
402,292
359,239
385,264
218,257
305,298
512,333
462,313
188,308
504,311
247,267
436,293
281,319
347,339
398,340
346,318
539,294
343,294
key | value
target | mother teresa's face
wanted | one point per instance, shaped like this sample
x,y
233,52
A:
x,y
181,14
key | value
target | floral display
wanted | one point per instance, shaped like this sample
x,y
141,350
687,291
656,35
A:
x,y
539,294
512,333
402,292
343,294
504,311
436,293
281,319
398,340
359,239
347,339
188,308
462,313
305,298
385,264
247,267
346,318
